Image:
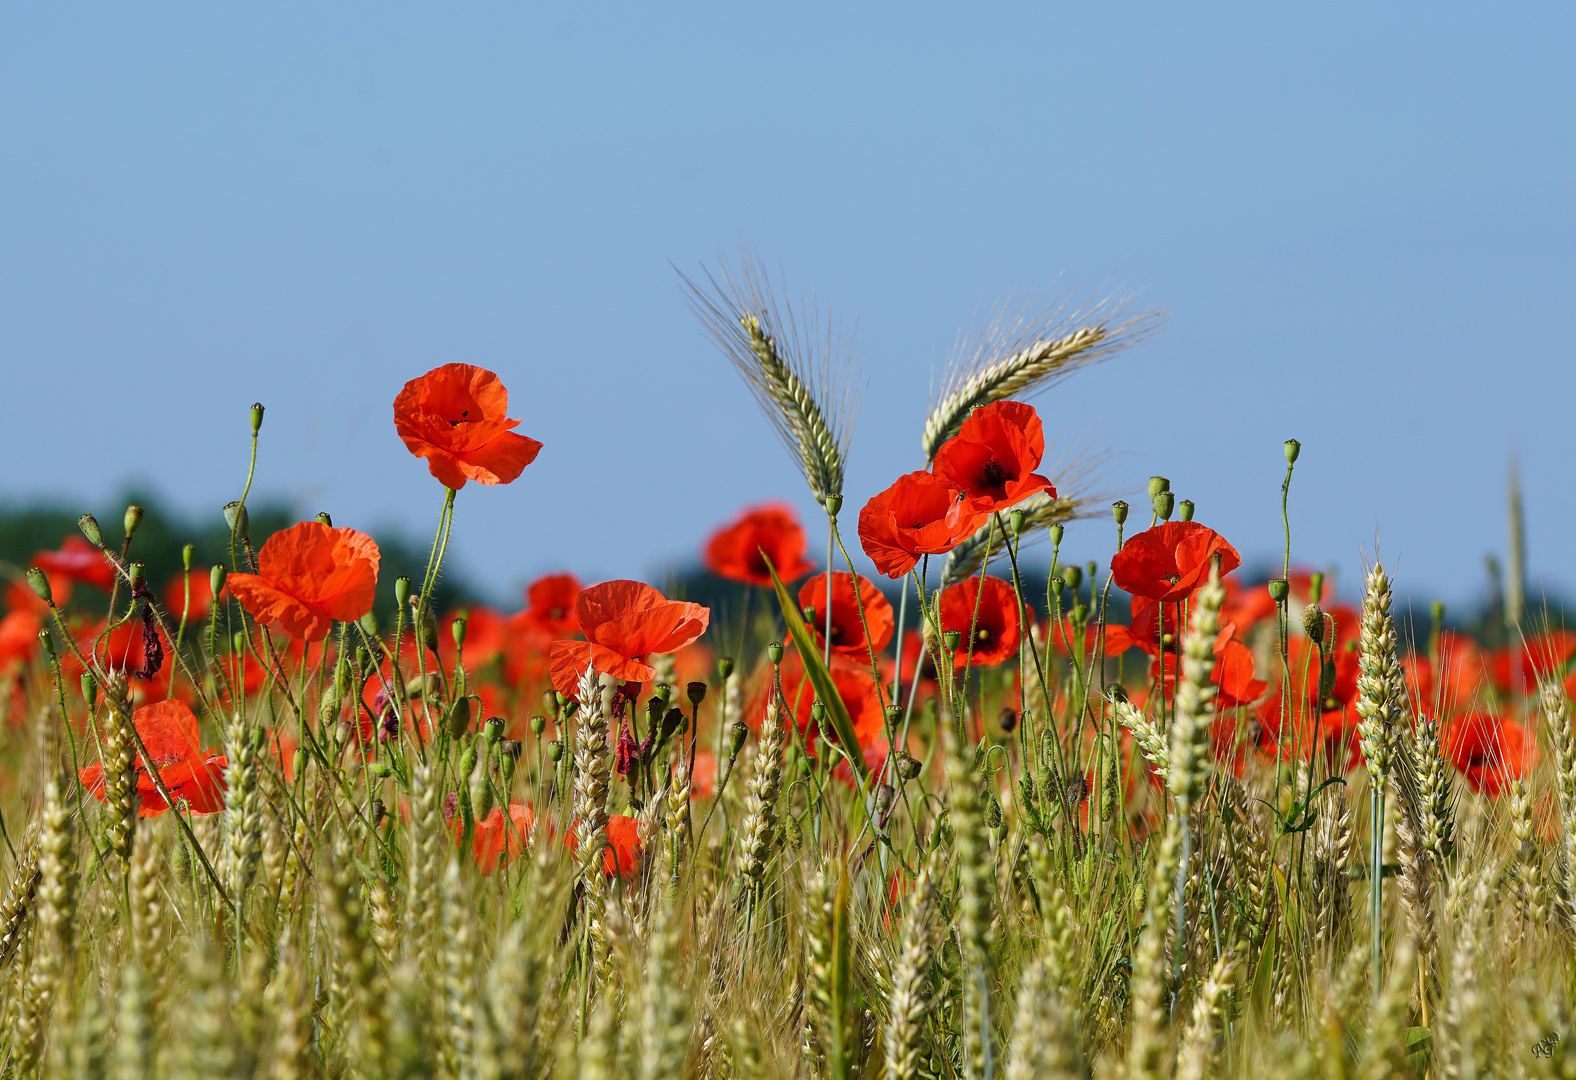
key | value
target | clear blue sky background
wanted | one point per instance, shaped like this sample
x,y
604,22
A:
x,y
1361,221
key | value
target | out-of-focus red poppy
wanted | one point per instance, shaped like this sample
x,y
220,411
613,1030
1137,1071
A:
x,y
484,636
998,629
1232,674
855,687
169,731
623,853
1169,562
497,839
1455,682
125,648
920,514
735,551
848,630
1488,750
309,576
201,596
79,561
18,637
1332,734
550,605
624,622
1541,656
993,456
1249,605
455,417
283,746
1144,627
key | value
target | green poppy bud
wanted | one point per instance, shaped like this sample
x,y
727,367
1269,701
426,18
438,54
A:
x,y
1073,576
378,812
257,417
298,762
795,832
132,519
1326,681
808,611
1026,794
328,707
1057,531
1080,615
1157,484
40,583
90,529
1185,510
48,644
240,523
457,631
380,771
188,553
1015,521
555,751
493,729
1119,512
324,519
951,639
1313,623
238,642
834,504
725,668
402,591
886,796
1164,502
774,653
1279,588
369,623
90,690
508,761
538,725
467,761
738,731
138,575
459,718
1293,448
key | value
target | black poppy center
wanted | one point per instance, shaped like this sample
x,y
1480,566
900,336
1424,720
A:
x,y
994,474
465,418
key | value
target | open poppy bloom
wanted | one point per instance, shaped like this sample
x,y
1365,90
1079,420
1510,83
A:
x,y
308,576
855,686
735,551
1333,734
550,604
993,456
497,838
196,777
77,560
1540,656
454,416
1488,751
624,622
998,630
921,514
1232,674
848,600
623,853
1169,562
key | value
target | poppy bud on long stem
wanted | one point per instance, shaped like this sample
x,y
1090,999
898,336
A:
x,y
1316,586
40,583
1164,502
1185,510
1293,448
257,417
240,523
1157,484
132,519
1119,512
90,529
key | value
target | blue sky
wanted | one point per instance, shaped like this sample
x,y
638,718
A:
x,y
1360,220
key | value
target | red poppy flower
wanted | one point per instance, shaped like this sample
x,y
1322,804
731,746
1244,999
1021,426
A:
x,y
309,576
735,551
623,853
78,560
921,514
993,456
1538,657
1460,676
856,688
484,636
848,629
454,416
497,839
551,603
624,622
998,630
1170,561
1488,750
1332,734
18,637
169,731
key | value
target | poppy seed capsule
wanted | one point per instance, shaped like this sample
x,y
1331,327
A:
x,y
894,713
738,731
1313,623
1164,502
1057,532
1015,520
885,798
257,417
1157,484
188,553
494,729
817,712
457,631
40,583
696,692
1293,448
908,766
132,519
216,578
655,707
664,691
950,640
90,690
238,642
90,529
834,503
1279,588
1007,719
774,653
138,575
555,750
402,591
538,725
808,611
1119,512
1073,576
240,522
672,722
48,644
1080,615
725,668
1185,510
379,812
369,623
324,519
